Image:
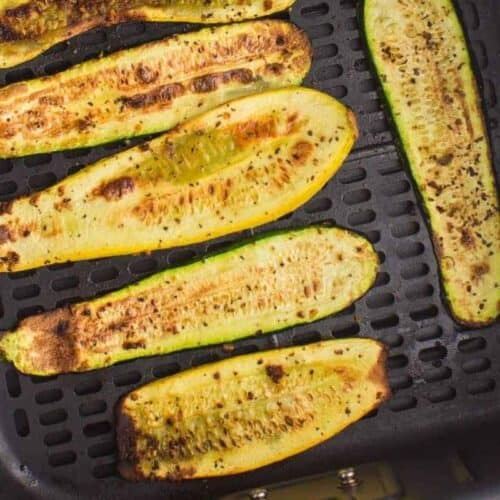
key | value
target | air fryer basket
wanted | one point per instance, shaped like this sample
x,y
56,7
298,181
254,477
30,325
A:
x,y
57,434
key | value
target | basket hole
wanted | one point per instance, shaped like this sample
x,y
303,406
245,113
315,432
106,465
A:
x,y
401,403
204,359
13,384
435,374
42,181
21,423
89,386
181,257
53,417
36,160
18,75
361,217
128,378
315,10
348,311
361,65
428,333
93,37
425,313
29,311
393,340
432,353
396,188
352,24
352,175
382,279
102,449
399,382
471,345
472,15
21,275
49,396
26,292
97,429
415,270
143,266
372,236
92,408
419,291
329,72
368,85
357,196
481,386
386,322
56,67
104,274
66,283
42,380
401,208
409,249
405,229
393,167
490,96
380,300
60,267
166,369
319,31
325,51
356,44
245,349
370,414
63,458
103,471
6,188
306,338
396,362
57,438
346,331
318,205
440,394
476,365
5,166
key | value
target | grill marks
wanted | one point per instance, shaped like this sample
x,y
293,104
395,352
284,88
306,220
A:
x,y
164,94
116,189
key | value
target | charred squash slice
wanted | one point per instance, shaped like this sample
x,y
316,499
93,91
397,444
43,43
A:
x,y
276,282
149,88
249,411
421,57
29,27
238,166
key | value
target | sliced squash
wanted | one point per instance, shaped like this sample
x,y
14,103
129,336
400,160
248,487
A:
x,y
29,27
421,57
238,166
149,88
276,282
249,411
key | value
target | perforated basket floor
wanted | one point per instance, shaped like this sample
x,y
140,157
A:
x,y
57,434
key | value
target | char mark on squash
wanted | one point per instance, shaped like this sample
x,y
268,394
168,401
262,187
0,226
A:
x,y
5,234
116,189
275,373
6,207
163,94
209,83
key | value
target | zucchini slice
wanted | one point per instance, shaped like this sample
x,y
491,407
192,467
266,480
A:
x,y
150,88
245,412
29,27
243,164
276,282
421,57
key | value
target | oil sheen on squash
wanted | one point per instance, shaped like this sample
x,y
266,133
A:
x,y
29,27
421,57
249,411
150,88
238,166
269,284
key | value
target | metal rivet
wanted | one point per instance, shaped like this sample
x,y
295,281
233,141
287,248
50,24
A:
x,y
258,494
348,478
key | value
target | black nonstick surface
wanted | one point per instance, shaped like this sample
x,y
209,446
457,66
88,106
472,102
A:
x,y
57,436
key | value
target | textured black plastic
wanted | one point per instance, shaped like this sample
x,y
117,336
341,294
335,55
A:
x,y
57,434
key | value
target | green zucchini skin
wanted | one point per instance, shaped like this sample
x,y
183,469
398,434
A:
x,y
273,283
420,54
29,27
245,412
150,88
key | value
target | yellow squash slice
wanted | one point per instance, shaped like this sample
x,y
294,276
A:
x,y
278,281
249,411
29,27
149,88
243,164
